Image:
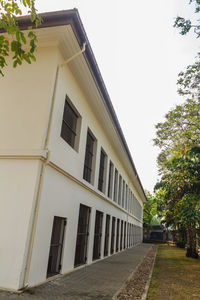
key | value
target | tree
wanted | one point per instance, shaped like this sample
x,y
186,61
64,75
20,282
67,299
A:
x,y
181,130
178,138
149,213
12,39
185,25
180,188
189,81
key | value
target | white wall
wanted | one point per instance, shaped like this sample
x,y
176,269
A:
x,y
62,197
24,115
24,106
18,180
25,96
62,154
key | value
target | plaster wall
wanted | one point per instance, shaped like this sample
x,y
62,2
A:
x,y
61,197
18,181
62,154
25,97
24,107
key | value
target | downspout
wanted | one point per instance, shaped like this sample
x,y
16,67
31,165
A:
x,y
44,164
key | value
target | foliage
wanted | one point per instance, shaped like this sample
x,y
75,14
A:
x,y
150,211
189,81
12,38
179,194
185,25
178,137
180,130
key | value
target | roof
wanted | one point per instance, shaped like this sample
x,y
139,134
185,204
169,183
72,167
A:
x,y
72,17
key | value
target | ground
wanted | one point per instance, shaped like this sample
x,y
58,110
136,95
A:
x,y
175,277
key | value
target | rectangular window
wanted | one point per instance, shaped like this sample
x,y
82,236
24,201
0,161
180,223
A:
x,y
89,153
69,124
126,198
129,199
110,180
102,171
123,193
115,185
120,190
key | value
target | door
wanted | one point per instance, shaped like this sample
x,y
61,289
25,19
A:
x,y
82,236
117,237
107,230
97,235
55,253
124,235
112,236
121,236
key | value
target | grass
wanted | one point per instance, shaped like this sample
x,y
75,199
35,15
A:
x,y
174,276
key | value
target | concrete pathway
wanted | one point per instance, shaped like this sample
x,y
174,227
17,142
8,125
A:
x,y
100,280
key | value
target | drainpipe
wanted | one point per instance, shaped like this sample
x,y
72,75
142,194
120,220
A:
x,y
44,163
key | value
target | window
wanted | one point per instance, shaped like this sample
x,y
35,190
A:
x,y
102,171
69,124
120,190
115,185
89,153
123,193
110,180
126,198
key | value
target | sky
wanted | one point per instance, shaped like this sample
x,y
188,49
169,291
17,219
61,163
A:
x,y
139,54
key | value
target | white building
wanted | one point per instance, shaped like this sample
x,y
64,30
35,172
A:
x,y
70,193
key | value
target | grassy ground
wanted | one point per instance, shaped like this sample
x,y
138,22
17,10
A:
x,y
175,276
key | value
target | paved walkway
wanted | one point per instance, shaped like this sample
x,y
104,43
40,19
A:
x,y
99,281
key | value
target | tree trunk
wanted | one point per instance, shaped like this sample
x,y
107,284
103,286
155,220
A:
x,y
191,243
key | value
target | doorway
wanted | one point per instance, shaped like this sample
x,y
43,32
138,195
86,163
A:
x,y
112,236
97,235
56,247
107,230
82,236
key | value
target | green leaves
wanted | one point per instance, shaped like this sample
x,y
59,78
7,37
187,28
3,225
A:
x,y
23,46
185,25
150,210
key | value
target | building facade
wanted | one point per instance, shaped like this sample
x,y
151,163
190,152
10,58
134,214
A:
x,y
70,193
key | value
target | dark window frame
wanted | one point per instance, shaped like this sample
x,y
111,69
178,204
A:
x,y
69,124
110,179
89,156
102,168
116,178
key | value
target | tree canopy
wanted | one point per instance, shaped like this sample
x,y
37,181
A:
x,y
178,137
185,25
12,38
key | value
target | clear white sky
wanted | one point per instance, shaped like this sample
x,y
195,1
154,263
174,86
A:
x,y
139,54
